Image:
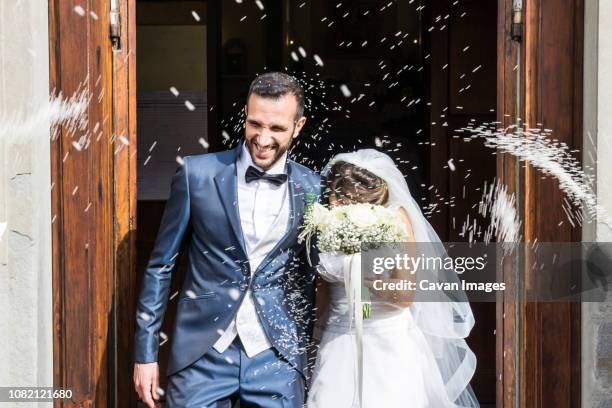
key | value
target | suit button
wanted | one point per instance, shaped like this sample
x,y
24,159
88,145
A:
x,y
245,269
245,284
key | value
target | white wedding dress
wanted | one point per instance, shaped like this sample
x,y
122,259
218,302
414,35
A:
x,y
399,369
399,357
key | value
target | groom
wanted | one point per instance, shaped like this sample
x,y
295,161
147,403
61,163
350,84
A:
x,y
245,311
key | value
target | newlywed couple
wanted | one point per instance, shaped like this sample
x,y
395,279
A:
x,y
246,311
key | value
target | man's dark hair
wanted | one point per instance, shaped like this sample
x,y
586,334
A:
x,y
275,85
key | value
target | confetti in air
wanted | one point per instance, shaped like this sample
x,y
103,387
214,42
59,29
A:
x,y
195,15
329,101
345,91
550,157
70,113
79,10
189,105
505,224
204,143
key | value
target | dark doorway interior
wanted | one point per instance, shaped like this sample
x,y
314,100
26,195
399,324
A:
x,y
173,107
398,76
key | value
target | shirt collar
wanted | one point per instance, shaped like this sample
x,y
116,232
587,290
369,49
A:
x,y
245,160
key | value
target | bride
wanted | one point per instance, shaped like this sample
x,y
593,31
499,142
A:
x,y
410,354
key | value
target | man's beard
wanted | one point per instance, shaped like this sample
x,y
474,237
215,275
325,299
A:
x,y
280,150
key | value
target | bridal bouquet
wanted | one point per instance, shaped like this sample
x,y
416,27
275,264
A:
x,y
344,228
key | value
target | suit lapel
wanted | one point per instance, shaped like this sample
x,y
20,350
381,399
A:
x,y
297,198
296,201
226,182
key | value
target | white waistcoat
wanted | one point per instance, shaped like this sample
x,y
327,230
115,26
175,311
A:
x,y
257,210
246,324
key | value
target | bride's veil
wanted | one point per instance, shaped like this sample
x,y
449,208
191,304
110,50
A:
x,y
447,321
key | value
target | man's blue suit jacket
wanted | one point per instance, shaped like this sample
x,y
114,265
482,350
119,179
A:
x,y
204,194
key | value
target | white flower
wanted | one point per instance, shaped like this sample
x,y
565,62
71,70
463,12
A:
x,y
363,216
338,213
320,216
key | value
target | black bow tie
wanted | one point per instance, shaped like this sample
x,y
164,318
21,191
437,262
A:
x,y
254,174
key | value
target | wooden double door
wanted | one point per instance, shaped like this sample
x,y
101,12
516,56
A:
x,y
96,236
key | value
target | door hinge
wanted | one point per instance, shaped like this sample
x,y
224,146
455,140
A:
x,y
516,29
115,27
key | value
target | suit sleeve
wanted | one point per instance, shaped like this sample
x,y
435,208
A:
x,y
157,277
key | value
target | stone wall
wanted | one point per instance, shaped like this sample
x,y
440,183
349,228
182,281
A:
x,y
26,340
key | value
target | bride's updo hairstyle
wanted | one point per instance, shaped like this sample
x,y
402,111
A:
x,y
350,184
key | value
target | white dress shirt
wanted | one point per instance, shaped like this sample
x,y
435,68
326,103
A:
x,y
264,216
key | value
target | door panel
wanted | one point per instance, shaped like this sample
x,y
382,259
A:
x,y
82,205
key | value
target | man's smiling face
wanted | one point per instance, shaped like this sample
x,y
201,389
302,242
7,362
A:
x,y
270,127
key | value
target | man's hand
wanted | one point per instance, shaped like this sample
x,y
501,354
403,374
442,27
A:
x,y
146,381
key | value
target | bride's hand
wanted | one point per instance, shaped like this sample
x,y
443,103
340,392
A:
x,y
331,266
